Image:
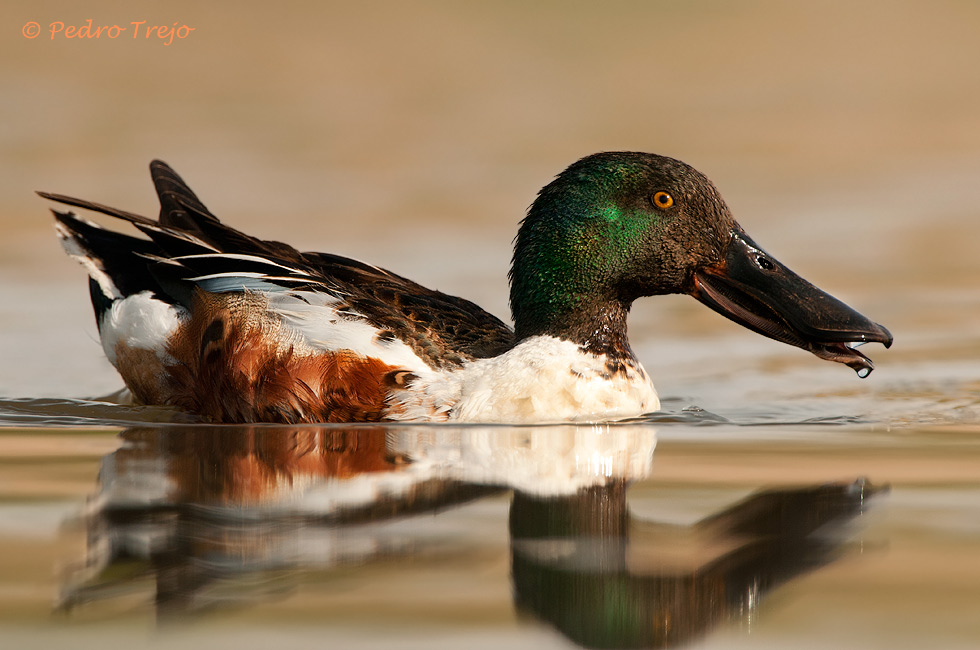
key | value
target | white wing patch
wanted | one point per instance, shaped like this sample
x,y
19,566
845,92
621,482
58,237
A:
x,y
314,316
243,258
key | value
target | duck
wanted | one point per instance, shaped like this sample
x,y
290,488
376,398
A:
x,y
230,328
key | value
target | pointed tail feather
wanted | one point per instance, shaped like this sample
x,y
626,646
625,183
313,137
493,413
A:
x,y
179,206
95,207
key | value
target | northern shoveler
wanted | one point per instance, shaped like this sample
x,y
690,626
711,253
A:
x,y
237,329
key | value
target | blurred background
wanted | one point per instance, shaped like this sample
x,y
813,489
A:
x,y
845,136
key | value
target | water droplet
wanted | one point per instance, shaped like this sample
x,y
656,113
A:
x,y
864,372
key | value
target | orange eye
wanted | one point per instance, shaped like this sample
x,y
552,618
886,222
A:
x,y
663,200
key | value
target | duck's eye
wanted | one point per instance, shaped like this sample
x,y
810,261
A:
x,y
663,200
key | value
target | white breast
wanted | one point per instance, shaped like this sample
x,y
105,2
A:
x,y
544,379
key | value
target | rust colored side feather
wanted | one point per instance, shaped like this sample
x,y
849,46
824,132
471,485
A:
x,y
235,364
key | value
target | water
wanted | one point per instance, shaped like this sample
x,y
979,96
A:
x,y
777,501
733,529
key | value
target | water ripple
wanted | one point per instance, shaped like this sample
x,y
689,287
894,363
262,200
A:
x,y
69,412
105,412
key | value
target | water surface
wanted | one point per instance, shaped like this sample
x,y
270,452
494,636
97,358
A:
x,y
687,527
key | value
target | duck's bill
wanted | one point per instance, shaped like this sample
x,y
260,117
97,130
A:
x,y
753,289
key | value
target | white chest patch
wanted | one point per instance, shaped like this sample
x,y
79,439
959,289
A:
x,y
543,379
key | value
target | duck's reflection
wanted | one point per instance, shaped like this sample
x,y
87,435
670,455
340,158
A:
x,y
217,515
210,514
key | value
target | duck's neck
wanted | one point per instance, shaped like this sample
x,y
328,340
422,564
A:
x,y
562,274
598,326
600,329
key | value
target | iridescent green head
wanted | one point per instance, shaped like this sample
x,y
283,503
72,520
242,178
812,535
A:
x,y
609,229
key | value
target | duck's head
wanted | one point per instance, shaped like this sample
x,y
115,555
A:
x,y
617,226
